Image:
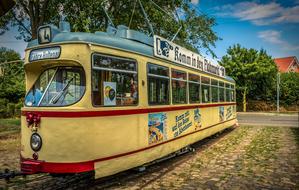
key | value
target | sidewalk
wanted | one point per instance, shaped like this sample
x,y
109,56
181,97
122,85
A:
x,y
268,119
290,113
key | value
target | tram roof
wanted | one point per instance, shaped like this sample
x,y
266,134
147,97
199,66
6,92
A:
x,y
122,38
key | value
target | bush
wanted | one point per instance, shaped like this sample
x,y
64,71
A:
x,y
3,107
289,89
10,109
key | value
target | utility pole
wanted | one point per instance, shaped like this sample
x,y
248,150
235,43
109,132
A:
x,y
278,89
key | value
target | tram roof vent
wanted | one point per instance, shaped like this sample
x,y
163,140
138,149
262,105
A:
x,y
64,26
124,32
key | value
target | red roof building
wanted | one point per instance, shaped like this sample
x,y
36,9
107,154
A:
x,y
287,64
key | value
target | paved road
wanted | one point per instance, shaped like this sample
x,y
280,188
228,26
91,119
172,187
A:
x,y
269,119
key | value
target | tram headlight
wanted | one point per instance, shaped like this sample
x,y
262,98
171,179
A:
x,y
35,142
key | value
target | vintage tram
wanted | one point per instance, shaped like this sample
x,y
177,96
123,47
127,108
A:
x,y
110,101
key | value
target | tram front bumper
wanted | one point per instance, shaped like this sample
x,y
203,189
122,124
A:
x,y
29,166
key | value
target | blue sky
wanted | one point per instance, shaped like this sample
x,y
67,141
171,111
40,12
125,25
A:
x,y
272,25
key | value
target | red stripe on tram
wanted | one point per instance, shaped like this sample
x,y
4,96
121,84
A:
x,y
118,112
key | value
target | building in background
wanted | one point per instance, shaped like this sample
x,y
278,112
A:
x,y
287,64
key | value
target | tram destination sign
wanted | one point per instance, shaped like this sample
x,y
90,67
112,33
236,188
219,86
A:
x,y
170,51
44,53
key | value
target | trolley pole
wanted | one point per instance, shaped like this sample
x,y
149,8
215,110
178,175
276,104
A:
x,y
278,88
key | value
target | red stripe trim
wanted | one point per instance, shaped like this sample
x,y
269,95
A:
x,y
119,112
33,166
30,166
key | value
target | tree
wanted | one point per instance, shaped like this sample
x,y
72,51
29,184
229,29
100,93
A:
x,y
254,72
88,16
12,81
289,88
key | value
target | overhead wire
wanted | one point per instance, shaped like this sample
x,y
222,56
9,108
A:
x,y
132,13
161,9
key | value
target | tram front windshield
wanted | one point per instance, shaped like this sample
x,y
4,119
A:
x,y
60,86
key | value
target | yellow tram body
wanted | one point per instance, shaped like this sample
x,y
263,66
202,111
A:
x,y
84,137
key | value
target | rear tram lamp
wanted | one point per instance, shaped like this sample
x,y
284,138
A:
x,y
36,119
35,142
35,156
29,119
32,118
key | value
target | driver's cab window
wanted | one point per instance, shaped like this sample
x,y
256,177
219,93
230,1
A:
x,y
58,86
33,98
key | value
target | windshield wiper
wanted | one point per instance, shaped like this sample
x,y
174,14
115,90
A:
x,y
55,99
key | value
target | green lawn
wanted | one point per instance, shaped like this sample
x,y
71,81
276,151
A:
x,y
9,126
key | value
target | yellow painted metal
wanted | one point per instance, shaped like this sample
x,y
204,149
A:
x,y
68,140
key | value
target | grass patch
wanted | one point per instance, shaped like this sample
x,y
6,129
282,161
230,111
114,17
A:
x,y
9,126
264,145
296,134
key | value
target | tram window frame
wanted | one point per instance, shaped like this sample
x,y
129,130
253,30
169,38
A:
x,y
179,80
214,86
205,84
157,76
121,71
192,82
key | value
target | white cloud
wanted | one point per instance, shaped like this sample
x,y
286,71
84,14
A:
x,y
260,14
194,2
289,15
274,37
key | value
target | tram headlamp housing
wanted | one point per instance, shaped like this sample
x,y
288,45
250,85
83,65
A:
x,y
35,142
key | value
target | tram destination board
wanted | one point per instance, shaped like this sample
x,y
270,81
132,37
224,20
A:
x,y
44,53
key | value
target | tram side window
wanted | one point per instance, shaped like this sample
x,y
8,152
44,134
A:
x,y
114,81
221,92
214,86
179,87
205,90
158,84
227,92
232,93
194,88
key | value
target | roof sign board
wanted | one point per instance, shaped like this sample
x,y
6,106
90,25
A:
x,y
172,52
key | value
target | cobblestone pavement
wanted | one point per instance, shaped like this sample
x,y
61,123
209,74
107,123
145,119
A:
x,y
247,158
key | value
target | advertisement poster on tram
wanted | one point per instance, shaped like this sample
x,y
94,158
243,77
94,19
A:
x,y
229,112
109,93
182,123
197,119
157,127
221,113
